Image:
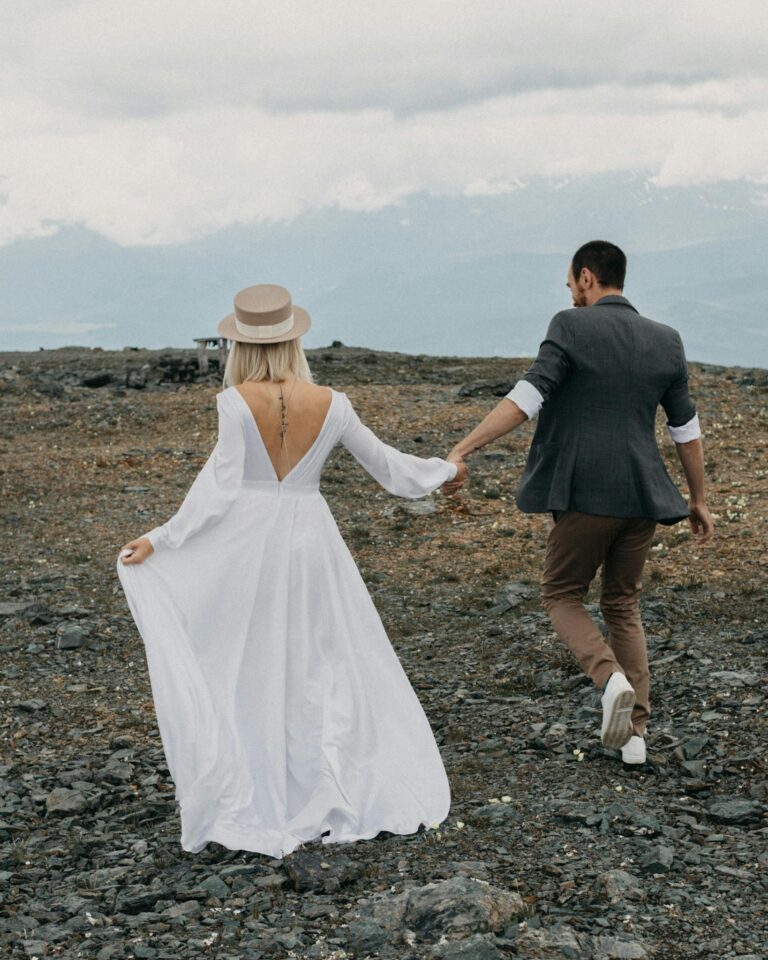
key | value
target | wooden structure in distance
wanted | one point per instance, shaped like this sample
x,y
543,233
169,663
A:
x,y
202,352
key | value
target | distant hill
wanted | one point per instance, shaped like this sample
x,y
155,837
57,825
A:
x,y
477,275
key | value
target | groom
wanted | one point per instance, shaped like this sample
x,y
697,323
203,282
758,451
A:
x,y
598,379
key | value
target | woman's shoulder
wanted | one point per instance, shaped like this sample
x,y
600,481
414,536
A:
x,y
321,392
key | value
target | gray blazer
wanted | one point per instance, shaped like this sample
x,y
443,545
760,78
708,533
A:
x,y
602,371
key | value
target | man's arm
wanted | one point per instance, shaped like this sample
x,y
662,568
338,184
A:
x,y
550,368
692,459
505,417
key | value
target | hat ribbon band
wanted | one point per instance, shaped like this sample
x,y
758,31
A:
x,y
273,330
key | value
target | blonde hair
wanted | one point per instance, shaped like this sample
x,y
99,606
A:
x,y
266,361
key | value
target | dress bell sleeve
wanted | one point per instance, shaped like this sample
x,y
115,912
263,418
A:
x,y
403,474
214,488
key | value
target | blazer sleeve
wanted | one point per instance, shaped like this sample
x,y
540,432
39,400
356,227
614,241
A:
x,y
676,400
552,365
214,488
402,474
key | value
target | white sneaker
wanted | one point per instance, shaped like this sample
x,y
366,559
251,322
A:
x,y
633,750
618,702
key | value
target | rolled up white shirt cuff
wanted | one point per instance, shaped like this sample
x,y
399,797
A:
x,y
527,397
687,432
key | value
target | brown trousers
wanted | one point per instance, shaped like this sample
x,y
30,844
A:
x,y
579,544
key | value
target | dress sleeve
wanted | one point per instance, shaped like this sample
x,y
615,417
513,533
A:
x,y
214,488
402,474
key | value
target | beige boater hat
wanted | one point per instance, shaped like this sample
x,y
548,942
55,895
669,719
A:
x,y
264,314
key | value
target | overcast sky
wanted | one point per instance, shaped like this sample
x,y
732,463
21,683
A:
x,y
162,121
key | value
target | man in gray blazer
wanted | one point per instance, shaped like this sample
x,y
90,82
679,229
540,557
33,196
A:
x,y
599,377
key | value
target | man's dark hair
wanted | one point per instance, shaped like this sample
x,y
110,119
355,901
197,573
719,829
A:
x,y
605,260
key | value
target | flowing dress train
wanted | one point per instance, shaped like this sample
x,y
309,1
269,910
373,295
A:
x,y
284,711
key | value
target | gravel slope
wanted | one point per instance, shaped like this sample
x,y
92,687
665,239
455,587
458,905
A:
x,y
551,849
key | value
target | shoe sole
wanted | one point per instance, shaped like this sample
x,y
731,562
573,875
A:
x,y
618,730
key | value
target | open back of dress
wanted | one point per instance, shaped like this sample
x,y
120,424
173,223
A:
x,y
284,711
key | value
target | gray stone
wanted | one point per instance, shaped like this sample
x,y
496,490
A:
x,y
73,904
610,948
139,899
117,772
31,706
733,811
657,860
452,908
619,885
418,508
493,813
35,948
272,881
485,388
555,943
630,820
12,608
476,947
366,936
693,747
71,638
100,379
64,802
574,811
478,869
308,870
290,940
106,877
736,678
510,595
188,908
694,768
312,910
237,869
215,886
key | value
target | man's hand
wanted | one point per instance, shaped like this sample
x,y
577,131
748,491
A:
x,y
140,550
701,521
453,486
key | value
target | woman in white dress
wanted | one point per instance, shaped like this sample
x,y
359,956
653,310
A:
x,y
284,712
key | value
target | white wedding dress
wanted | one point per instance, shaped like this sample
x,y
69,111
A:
x,y
284,712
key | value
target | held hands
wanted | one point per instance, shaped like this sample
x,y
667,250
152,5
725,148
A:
x,y
453,486
701,521
139,551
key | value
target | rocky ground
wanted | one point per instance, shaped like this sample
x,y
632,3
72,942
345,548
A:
x,y
551,849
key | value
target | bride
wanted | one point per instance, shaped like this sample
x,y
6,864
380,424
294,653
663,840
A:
x,y
284,712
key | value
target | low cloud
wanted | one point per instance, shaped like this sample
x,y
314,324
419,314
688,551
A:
x,y
141,57
162,123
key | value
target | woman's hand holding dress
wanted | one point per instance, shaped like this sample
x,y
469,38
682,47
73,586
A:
x,y
139,550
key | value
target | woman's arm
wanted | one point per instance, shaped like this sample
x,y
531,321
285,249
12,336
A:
x,y
211,493
402,474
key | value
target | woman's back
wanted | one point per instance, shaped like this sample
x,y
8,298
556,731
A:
x,y
289,417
